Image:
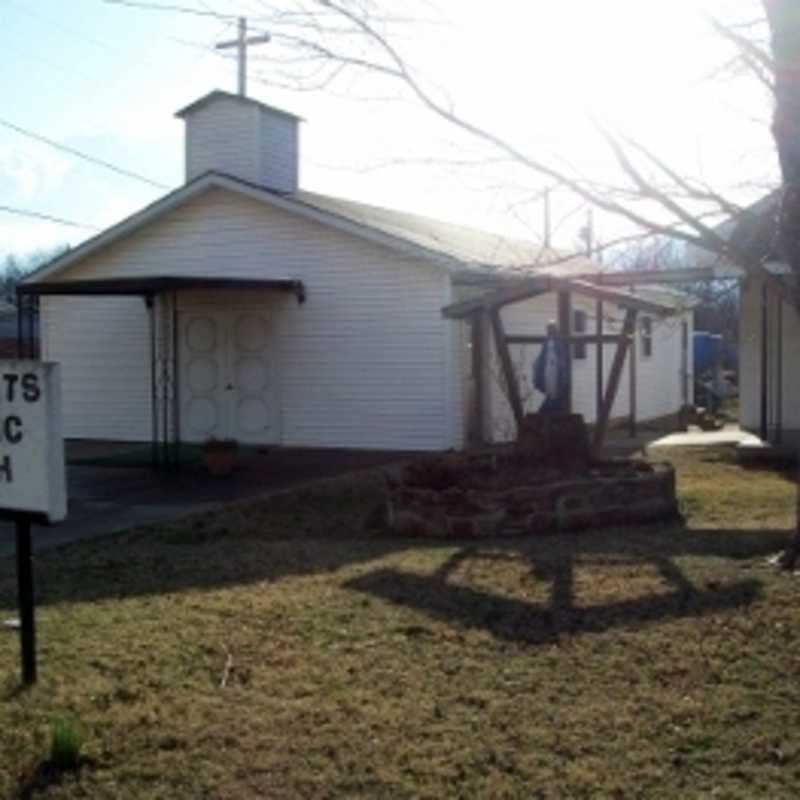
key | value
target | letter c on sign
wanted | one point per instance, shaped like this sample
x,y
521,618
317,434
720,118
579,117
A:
x,y
12,429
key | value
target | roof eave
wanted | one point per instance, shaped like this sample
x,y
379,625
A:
x,y
284,201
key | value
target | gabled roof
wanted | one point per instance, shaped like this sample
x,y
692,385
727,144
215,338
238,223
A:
x,y
469,254
477,252
218,94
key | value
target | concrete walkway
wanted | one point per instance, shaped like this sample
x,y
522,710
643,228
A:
x,y
106,499
695,437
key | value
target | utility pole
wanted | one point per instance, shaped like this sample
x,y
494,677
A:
x,y
547,219
590,232
241,43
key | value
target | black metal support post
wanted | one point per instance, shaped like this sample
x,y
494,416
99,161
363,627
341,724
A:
x,y
779,372
33,316
20,306
149,301
176,398
764,400
26,603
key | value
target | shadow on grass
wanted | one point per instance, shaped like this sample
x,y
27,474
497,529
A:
x,y
553,559
40,777
215,553
533,623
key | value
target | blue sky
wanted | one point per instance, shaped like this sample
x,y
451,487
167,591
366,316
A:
x,y
103,80
107,79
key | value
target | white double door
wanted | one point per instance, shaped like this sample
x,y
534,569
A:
x,y
228,376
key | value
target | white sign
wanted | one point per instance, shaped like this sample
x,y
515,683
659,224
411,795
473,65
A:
x,y
32,475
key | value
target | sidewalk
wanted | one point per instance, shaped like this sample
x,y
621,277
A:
x,y
107,499
695,437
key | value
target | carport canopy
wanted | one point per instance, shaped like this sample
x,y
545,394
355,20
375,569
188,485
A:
x,y
165,453
158,284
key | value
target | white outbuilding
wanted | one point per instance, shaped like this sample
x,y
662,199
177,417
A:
x,y
241,306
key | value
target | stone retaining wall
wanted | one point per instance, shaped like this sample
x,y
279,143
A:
x,y
609,493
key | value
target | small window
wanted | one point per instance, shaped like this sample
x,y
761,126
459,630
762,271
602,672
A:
x,y
579,329
647,337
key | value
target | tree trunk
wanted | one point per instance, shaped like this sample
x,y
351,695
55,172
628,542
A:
x,y
784,22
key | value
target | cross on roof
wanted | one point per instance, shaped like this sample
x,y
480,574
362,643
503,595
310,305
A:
x,y
241,43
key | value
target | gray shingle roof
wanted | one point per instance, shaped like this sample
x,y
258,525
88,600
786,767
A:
x,y
481,254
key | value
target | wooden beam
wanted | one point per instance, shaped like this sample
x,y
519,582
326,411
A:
x,y
598,366
589,338
565,331
632,387
628,328
611,295
660,276
477,330
542,284
508,368
521,290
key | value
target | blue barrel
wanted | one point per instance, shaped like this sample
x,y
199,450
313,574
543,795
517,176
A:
x,y
707,351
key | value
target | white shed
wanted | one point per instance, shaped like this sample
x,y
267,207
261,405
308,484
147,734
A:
x,y
240,306
769,333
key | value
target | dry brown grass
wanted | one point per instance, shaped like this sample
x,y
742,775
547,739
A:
x,y
656,662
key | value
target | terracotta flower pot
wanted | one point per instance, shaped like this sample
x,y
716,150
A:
x,y
220,456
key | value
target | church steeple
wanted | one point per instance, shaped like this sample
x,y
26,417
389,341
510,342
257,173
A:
x,y
244,138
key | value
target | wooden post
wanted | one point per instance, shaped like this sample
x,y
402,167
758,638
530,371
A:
x,y
628,327
632,387
599,359
685,363
477,330
508,368
565,330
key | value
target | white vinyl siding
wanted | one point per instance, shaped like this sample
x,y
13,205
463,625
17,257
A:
x,y
224,136
783,412
254,144
279,151
103,345
366,362
750,355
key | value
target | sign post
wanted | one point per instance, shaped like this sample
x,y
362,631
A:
x,y
27,628
32,476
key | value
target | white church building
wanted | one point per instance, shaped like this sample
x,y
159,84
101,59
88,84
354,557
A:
x,y
241,306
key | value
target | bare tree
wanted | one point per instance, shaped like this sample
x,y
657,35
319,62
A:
x,y
715,302
322,43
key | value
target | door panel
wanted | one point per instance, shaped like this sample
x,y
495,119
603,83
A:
x,y
227,381
202,377
253,409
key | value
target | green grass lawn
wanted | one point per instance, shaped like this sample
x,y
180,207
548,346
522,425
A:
x,y
654,662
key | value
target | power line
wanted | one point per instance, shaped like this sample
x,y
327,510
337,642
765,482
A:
x,y
78,154
175,9
22,212
59,25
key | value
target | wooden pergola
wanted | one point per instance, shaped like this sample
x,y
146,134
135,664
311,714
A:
x,y
488,307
